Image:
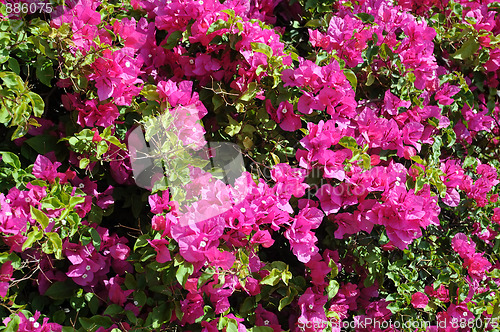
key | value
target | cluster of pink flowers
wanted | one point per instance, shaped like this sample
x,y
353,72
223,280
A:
x,y
383,162
475,262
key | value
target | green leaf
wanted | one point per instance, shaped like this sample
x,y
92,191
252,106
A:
x,y
232,325
95,214
11,159
14,65
351,77
56,242
250,93
141,298
272,279
13,325
218,25
39,216
75,200
61,290
367,161
183,272
33,236
234,126
261,329
332,289
217,101
436,149
262,48
173,40
349,143
494,274
113,309
470,161
44,70
419,184
370,79
12,81
84,162
96,239
42,144
93,302
37,103
467,50
291,293
19,132
366,18
394,307
52,203
230,12
418,160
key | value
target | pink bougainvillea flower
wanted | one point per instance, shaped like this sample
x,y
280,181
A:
x,y
32,325
162,252
264,317
116,293
286,118
192,307
159,203
443,96
312,306
419,300
5,276
44,169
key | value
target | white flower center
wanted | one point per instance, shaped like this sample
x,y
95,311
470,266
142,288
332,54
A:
x,y
8,214
266,322
150,55
32,319
127,64
7,201
87,268
311,307
283,110
203,244
243,210
36,325
63,221
136,303
201,2
27,199
191,61
81,186
84,276
465,314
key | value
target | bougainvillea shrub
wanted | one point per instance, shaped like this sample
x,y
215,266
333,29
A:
x,y
368,133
